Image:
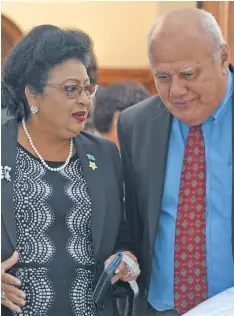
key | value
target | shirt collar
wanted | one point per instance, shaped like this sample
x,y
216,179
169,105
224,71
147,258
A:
x,y
217,115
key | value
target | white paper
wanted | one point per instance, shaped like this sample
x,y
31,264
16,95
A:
x,y
221,304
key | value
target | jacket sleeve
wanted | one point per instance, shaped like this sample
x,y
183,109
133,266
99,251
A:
x,y
131,205
124,241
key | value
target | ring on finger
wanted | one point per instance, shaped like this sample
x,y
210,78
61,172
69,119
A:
x,y
130,273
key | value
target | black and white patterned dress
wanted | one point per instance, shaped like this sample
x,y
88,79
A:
x,y
53,237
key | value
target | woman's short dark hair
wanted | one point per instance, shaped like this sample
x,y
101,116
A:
x,y
92,68
30,61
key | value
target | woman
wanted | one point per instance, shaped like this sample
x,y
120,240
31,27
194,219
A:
x,y
62,191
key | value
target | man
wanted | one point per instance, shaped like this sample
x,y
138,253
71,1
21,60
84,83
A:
x,y
177,155
110,101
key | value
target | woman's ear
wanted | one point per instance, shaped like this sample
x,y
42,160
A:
x,y
31,95
32,99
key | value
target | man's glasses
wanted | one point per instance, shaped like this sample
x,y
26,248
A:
x,y
74,91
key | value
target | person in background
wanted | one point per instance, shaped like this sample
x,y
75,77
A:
x,y
177,151
110,101
62,196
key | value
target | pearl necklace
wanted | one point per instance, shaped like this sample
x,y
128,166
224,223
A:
x,y
40,156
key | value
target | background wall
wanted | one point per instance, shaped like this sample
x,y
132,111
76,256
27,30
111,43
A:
x,y
119,29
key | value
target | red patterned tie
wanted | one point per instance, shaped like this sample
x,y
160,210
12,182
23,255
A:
x,y
190,283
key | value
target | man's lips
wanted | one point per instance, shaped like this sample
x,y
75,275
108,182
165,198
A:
x,y
184,104
79,116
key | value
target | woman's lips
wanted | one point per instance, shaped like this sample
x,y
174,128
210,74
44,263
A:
x,y
79,116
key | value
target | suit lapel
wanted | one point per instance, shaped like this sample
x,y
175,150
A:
x,y
96,187
9,151
158,148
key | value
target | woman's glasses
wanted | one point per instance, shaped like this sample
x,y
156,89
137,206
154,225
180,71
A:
x,y
74,91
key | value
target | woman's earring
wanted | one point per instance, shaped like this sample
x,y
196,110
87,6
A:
x,y
33,109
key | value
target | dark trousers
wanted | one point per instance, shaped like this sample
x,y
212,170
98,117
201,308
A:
x,y
154,312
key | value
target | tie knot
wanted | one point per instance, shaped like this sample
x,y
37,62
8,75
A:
x,y
196,128
196,131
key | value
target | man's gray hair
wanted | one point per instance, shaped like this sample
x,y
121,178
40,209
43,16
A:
x,y
209,25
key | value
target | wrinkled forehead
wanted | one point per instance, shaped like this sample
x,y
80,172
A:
x,y
179,51
184,68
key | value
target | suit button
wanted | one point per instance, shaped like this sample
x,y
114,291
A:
x,y
101,306
146,292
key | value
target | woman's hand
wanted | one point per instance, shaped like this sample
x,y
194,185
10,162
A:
x,y
10,294
121,272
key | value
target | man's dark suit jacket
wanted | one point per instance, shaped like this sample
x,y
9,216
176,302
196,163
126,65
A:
x,y
109,231
144,132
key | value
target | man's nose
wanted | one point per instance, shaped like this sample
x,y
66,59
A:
x,y
177,89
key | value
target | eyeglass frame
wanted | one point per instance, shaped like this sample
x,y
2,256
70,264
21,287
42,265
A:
x,y
61,86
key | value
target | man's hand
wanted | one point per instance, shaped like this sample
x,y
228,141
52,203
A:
x,y
122,270
11,295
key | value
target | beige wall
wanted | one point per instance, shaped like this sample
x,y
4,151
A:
x,y
164,6
119,29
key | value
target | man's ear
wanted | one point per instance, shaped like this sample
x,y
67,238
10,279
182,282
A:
x,y
225,58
